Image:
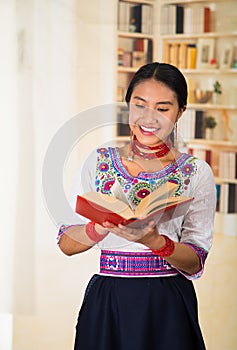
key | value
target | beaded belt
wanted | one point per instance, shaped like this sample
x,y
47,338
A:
x,y
134,264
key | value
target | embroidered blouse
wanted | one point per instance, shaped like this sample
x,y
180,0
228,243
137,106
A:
x,y
194,177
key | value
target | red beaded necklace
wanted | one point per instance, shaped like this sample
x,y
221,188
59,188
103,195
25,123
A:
x,y
161,150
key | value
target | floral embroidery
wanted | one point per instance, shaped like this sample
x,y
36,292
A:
x,y
102,150
106,185
187,169
103,167
110,168
139,191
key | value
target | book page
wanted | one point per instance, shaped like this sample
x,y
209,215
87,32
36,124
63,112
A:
x,y
110,203
118,193
161,204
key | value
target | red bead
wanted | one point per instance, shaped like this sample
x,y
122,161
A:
x,y
92,233
167,249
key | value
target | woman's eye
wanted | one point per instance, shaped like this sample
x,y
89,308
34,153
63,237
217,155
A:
x,y
140,106
162,109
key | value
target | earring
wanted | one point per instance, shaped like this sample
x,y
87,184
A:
x,y
176,135
130,152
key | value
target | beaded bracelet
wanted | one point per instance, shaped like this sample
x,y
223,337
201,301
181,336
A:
x,y
167,249
92,233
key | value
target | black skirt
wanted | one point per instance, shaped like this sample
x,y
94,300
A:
x,y
150,313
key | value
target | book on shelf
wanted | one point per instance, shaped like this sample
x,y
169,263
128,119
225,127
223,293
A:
x,y
187,26
174,53
207,20
137,18
123,16
164,20
179,19
190,126
228,165
160,205
198,124
204,154
147,19
227,201
135,52
181,54
191,56
142,52
218,195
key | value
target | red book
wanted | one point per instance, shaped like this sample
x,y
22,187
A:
x,y
207,20
160,206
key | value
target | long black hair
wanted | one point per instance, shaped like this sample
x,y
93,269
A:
x,y
164,73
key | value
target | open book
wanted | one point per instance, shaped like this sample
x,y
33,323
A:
x,y
160,205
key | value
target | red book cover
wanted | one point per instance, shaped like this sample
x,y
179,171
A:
x,y
100,214
208,156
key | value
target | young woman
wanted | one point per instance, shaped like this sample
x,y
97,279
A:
x,y
143,297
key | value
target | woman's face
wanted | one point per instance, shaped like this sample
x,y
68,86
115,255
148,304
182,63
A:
x,y
153,111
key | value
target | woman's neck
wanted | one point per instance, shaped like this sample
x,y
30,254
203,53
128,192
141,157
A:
x,y
148,152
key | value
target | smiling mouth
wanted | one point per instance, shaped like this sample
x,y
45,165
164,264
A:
x,y
149,130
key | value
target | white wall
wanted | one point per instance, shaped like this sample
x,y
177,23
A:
x,y
9,164
58,60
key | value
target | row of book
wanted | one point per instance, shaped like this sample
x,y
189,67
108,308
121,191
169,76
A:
x,y
191,125
138,53
136,18
226,198
178,19
224,164
181,54
228,165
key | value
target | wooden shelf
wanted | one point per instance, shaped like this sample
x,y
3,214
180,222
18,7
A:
x,y
148,2
167,2
209,71
199,35
122,69
212,143
219,180
135,35
211,106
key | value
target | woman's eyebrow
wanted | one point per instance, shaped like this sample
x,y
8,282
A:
x,y
139,98
158,103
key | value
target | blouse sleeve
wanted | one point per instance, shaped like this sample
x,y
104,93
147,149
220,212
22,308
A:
x,y
197,228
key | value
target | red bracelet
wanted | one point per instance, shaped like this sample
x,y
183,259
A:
x,y
92,233
167,249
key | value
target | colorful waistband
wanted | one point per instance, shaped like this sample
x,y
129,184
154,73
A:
x,y
134,264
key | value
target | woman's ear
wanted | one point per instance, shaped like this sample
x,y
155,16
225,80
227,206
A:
x,y
181,111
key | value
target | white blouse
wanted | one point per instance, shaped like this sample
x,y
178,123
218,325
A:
x,y
195,179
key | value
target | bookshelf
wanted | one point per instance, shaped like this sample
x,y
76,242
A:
x,y
205,50
135,40
200,37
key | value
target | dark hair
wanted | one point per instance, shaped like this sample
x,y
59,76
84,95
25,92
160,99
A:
x,y
164,73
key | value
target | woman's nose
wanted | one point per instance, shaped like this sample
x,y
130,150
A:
x,y
150,114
